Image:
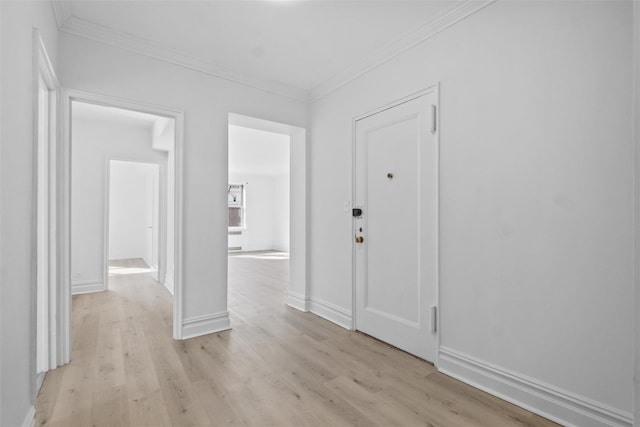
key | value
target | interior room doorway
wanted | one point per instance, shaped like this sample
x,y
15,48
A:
x,y
99,129
266,203
258,218
133,239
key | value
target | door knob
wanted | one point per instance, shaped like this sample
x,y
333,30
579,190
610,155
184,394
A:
x,y
359,239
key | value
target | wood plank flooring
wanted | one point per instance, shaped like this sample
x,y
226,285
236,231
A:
x,y
277,367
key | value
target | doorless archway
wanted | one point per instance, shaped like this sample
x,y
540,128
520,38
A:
x,y
298,291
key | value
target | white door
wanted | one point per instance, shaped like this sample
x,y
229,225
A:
x,y
396,246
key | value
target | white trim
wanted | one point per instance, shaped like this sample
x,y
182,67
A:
x,y
106,211
398,46
636,114
64,230
30,418
331,312
87,287
40,376
87,29
65,202
544,399
298,301
203,325
1,210
44,301
61,12
168,281
109,36
168,285
438,307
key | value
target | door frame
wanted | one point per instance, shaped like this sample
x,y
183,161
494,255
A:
x,y
162,219
64,198
298,292
45,299
434,88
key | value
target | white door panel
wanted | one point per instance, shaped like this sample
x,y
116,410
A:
x,y
396,262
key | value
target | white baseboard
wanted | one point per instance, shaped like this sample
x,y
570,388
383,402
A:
x,y
298,301
636,395
87,287
169,285
39,380
169,288
30,418
331,312
558,405
203,325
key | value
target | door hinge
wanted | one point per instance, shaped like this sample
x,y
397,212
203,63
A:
x,y
433,312
434,119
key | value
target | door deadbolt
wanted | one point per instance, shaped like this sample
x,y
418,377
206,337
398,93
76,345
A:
x,y
359,239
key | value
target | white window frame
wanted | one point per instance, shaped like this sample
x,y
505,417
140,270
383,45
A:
x,y
242,205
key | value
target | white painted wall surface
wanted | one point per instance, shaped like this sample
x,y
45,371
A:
x,y
282,212
164,139
258,152
536,190
206,102
131,210
17,246
265,210
93,143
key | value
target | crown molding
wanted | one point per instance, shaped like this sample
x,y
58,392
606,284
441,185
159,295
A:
x,y
61,12
87,29
398,46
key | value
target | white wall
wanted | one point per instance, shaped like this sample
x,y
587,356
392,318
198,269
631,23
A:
x,y
93,143
17,246
206,102
266,209
164,139
536,191
131,210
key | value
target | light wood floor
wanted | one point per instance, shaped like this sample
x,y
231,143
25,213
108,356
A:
x,y
277,367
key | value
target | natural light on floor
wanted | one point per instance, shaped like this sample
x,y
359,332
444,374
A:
x,y
118,271
263,255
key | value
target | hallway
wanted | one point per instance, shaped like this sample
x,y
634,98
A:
x,y
277,366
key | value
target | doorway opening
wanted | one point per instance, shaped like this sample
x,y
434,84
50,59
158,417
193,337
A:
x,y
133,240
123,199
266,203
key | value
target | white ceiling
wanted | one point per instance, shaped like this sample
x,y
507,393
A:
x,y
297,43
